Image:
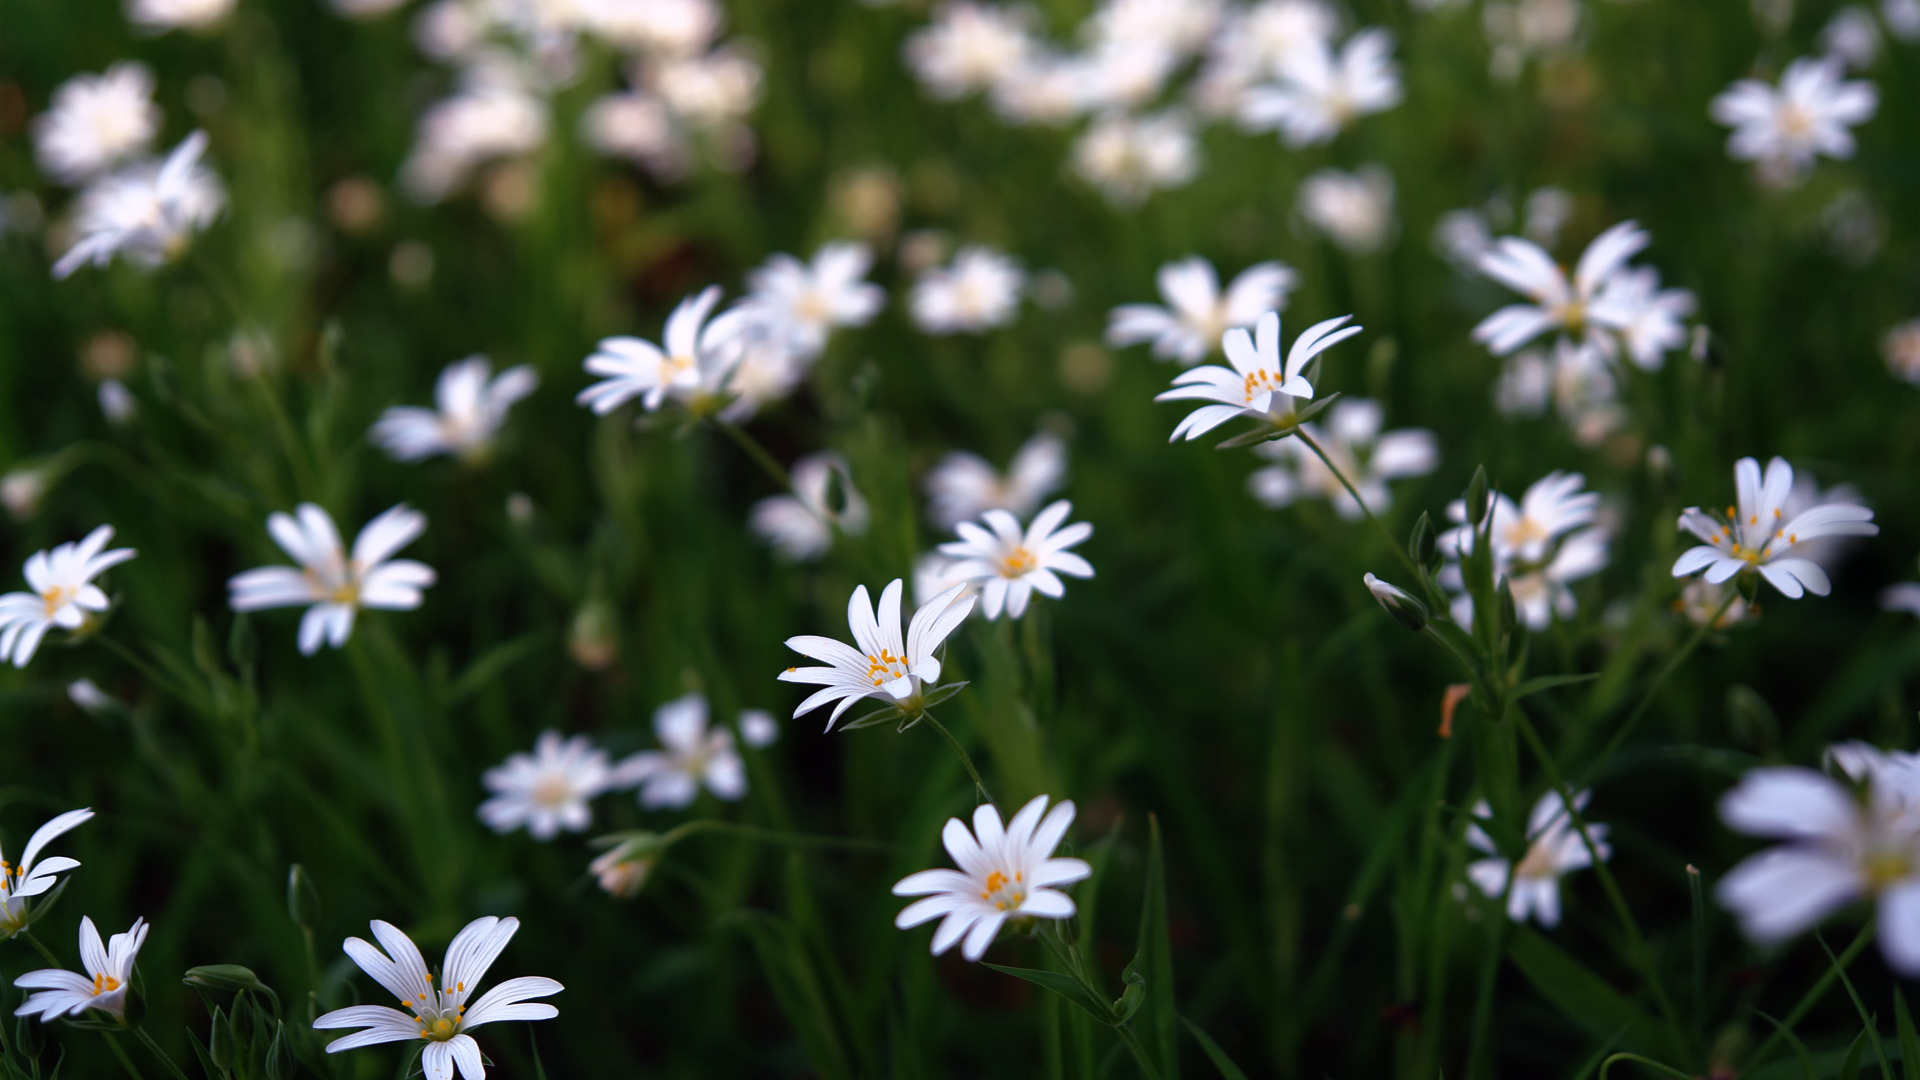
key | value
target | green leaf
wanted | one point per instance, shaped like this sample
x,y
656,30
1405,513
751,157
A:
x,y
1850,1070
492,663
1064,985
1909,1042
1549,682
1599,1056
1153,960
1867,1018
797,987
1799,1048
1573,988
1221,1061
875,718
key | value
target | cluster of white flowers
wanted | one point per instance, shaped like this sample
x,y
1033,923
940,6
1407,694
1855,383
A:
x,y
1365,455
1540,546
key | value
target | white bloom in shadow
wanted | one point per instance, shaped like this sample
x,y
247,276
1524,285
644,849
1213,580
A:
x,y
965,485
1196,312
548,790
1554,849
63,593
1009,566
690,755
335,584
1004,873
105,986
469,410
29,879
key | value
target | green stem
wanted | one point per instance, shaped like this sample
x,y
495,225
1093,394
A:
x,y
1398,550
1489,971
121,1053
964,759
770,465
1809,999
772,836
46,953
1664,1070
1139,1052
147,671
147,1040
1646,700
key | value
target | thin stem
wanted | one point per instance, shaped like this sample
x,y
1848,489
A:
x,y
147,1040
1808,1000
1139,1052
767,462
46,953
1663,1069
121,1053
1489,971
772,836
964,759
1646,700
1398,550
146,670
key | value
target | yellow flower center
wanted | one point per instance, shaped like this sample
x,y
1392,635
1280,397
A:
x,y
1018,562
552,790
1886,868
1794,121
1259,381
1537,864
104,984
1005,893
886,667
56,598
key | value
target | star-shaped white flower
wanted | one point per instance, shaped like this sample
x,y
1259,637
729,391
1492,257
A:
x,y
1367,457
1525,267
96,122
1784,129
1649,319
1004,873
968,47
979,291
965,485
336,585
1197,314
146,213
800,525
1010,566
1540,547
635,368
690,754
879,664
1256,385
29,879
548,790
63,593
103,988
1754,536
1320,91
806,301
1554,850
440,1017
470,408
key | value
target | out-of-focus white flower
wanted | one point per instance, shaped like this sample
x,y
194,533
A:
x,y
63,593
1462,237
117,402
1540,546
1124,76
146,213
1048,89
22,490
1903,18
104,988
1197,314
933,574
800,526
1703,602
758,728
335,585
969,47
29,879
690,755
1649,319
706,90
1129,158
1256,384
964,486
637,126
978,291
365,9
96,122
470,409
1180,25
1353,439
1354,210
548,790
1757,536
633,368
1320,92
1004,873
1569,306
1902,349
1852,37
806,301
87,694
437,1010
494,116
1008,566
1782,129
1902,597
1251,46
663,27
1528,28
156,16
1575,378
878,664
1554,849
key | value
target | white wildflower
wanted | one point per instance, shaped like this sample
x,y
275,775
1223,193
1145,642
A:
x,y
1004,873
335,584
879,664
1197,313
96,122
548,790
691,754
1554,849
104,988
1757,535
470,408
800,526
63,595
1008,565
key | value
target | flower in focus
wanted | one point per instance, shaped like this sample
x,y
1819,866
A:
x,y
336,585
1319,92
1554,849
979,291
1128,158
1197,314
1365,455
806,301
1009,566
690,755
156,16
1540,546
1004,873
110,967
146,213
1525,267
1757,536
800,526
548,790
964,486
20,883
96,122
63,593
1783,129
881,665
439,1017
1256,385
470,410
1354,210
1902,348
634,368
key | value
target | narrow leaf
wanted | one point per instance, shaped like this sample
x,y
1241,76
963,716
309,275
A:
x,y
1064,985
1228,1070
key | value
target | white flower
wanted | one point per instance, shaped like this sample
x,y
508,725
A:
x,y
707,91
1540,546
146,213
470,410
1354,210
1320,92
1809,114
1524,267
670,27
1004,873
933,574
96,122
548,790
1903,18
494,116
808,301
337,586
1128,158
1841,846
117,403
1902,349
969,47
1009,566
979,291
29,879
64,993
1178,25
437,1011
637,126
800,526
881,666
1757,536
964,485
690,755
635,368
1197,314
1647,317
758,728
63,593
1576,379
1852,37
1353,439
1256,385
1554,850
155,16
757,364
1703,602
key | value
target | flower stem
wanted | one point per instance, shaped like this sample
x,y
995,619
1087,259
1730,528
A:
x,y
757,452
1664,1070
964,759
147,1040
1399,551
46,953
1810,998
121,1053
771,836
1646,700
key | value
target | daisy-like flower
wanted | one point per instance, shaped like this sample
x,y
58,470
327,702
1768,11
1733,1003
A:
x,y
548,790
1554,850
969,47
1783,129
633,368
1649,319
96,122
438,1016
470,409
979,291
1320,92
103,988
1756,535
1721,605
1540,546
806,301
1009,566
21,883
878,664
1004,873
1354,210
964,485
155,16
1367,456
146,213
63,593
335,584
1525,267
800,526
1256,385
1841,845
1197,314
690,755
1128,158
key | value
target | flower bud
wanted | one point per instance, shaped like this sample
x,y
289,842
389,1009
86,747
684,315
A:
x,y
1405,609
623,870
1509,617
1477,496
303,897
231,977
1420,544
